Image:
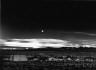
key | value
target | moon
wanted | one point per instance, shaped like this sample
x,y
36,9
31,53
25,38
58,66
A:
x,y
42,31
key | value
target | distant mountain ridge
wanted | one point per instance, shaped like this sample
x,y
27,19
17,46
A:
x,y
62,49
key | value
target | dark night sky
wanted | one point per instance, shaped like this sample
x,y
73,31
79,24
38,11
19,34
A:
x,y
30,16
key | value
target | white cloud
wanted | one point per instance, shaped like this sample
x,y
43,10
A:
x,y
37,43
86,33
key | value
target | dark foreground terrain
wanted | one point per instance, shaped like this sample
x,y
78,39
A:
x,y
47,60
38,66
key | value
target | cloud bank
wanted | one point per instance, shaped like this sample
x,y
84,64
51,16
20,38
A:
x,y
43,43
38,43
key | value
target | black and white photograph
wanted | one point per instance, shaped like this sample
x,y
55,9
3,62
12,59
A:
x,y
48,35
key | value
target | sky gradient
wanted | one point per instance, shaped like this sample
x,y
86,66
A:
x,y
58,19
